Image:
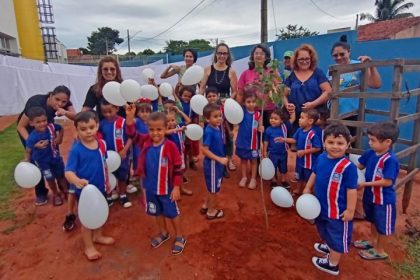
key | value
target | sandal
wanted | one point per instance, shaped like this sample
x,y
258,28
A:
x,y
187,192
57,200
219,214
232,166
362,244
371,255
159,240
179,245
203,210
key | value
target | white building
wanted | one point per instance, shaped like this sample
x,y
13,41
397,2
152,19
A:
x,y
9,39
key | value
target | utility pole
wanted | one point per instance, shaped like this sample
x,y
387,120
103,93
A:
x,y
264,21
128,43
357,21
106,45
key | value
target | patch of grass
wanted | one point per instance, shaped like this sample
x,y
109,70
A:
x,y
11,153
411,267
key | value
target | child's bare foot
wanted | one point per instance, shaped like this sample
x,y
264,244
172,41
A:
x,y
104,240
92,254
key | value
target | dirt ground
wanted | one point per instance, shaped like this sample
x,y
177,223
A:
x,y
235,247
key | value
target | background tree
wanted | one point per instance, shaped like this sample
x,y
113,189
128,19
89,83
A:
x,y
84,51
293,31
200,45
130,54
175,46
148,52
103,40
388,9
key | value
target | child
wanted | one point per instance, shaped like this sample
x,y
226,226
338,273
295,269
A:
x,y
320,125
143,111
335,179
42,149
247,142
379,196
214,160
308,144
160,169
86,164
113,131
280,125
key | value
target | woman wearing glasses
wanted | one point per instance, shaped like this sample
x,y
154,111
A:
x,y
108,70
307,85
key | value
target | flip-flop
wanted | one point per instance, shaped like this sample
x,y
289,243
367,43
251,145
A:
x,y
203,211
186,192
219,214
179,245
159,240
372,254
362,244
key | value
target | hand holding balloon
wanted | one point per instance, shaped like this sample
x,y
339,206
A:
x,y
130,113
175,194
80,183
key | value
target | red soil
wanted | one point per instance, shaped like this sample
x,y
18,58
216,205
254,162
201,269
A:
x,y
235,247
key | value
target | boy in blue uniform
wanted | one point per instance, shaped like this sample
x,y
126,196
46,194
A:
x,y
334,179
214,161
280,124
86,164
160,169
379,198
113,131
42,149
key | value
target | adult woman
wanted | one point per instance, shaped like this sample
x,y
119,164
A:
x,y
108,70
55,103
222,76
307,85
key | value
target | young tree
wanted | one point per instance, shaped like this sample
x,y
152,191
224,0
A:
x,y
148,52
388,9
175,47
103,40
199,45
293,31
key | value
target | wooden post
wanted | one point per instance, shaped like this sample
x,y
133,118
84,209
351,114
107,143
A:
x,y
396,90
362,107
335,84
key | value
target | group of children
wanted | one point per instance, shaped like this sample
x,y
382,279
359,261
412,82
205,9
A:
x,y
160,156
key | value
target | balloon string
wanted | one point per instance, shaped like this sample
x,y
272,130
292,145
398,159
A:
x,y
260,170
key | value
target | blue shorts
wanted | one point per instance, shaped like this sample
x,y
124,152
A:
x,y
247,154
51,170
336,233
382,216
161,205
213,174
280,161
302,174
77,191
122,172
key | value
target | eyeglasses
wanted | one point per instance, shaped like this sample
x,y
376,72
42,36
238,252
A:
x,y
222,53
109,69
339,54
304,59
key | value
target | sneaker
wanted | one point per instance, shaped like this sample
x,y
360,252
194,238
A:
x,y
124,201
114,195
231,165
242,182
252,184
41,200
285,185
57,200
324,265
131,189
110,201
69,222
322,248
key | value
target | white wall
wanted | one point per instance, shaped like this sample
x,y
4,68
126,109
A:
x,y
8,24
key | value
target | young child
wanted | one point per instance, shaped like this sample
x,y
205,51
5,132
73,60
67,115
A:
x,y
379,198
280,124
143,111
42,149
321,124
113,131
247,142
214,160
86,164
308,144
334,179
160,169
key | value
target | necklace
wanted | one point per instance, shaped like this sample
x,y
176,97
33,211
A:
x,y
223,76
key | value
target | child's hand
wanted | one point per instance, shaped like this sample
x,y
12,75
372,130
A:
x,y
224,160
261,128
175,194
264,155
123,154
60,112
80,183
279,139
300,153
290,108
130,110
347,215
41,144
361,185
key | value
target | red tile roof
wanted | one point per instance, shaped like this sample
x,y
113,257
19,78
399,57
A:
x,y
385,29
73,52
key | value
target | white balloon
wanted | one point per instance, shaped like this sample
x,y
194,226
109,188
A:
x,y
198,102
266,169
27,175
113,160
165,89
111,92
308,206
171,98
112,181
281,197
193,75
130,90
93,208
233,111
148,73
194,132
360,173
149,92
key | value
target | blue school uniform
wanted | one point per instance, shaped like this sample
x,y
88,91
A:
x,y
142,128
305,140
178,138
333,178
186,108
247,142
213,170
277,151
379,202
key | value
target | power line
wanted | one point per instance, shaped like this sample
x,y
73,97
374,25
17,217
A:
x,y
274,15
323,11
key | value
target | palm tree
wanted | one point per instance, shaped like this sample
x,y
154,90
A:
x,y
389,9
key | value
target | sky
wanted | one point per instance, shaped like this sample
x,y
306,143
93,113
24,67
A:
x,y
237,22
